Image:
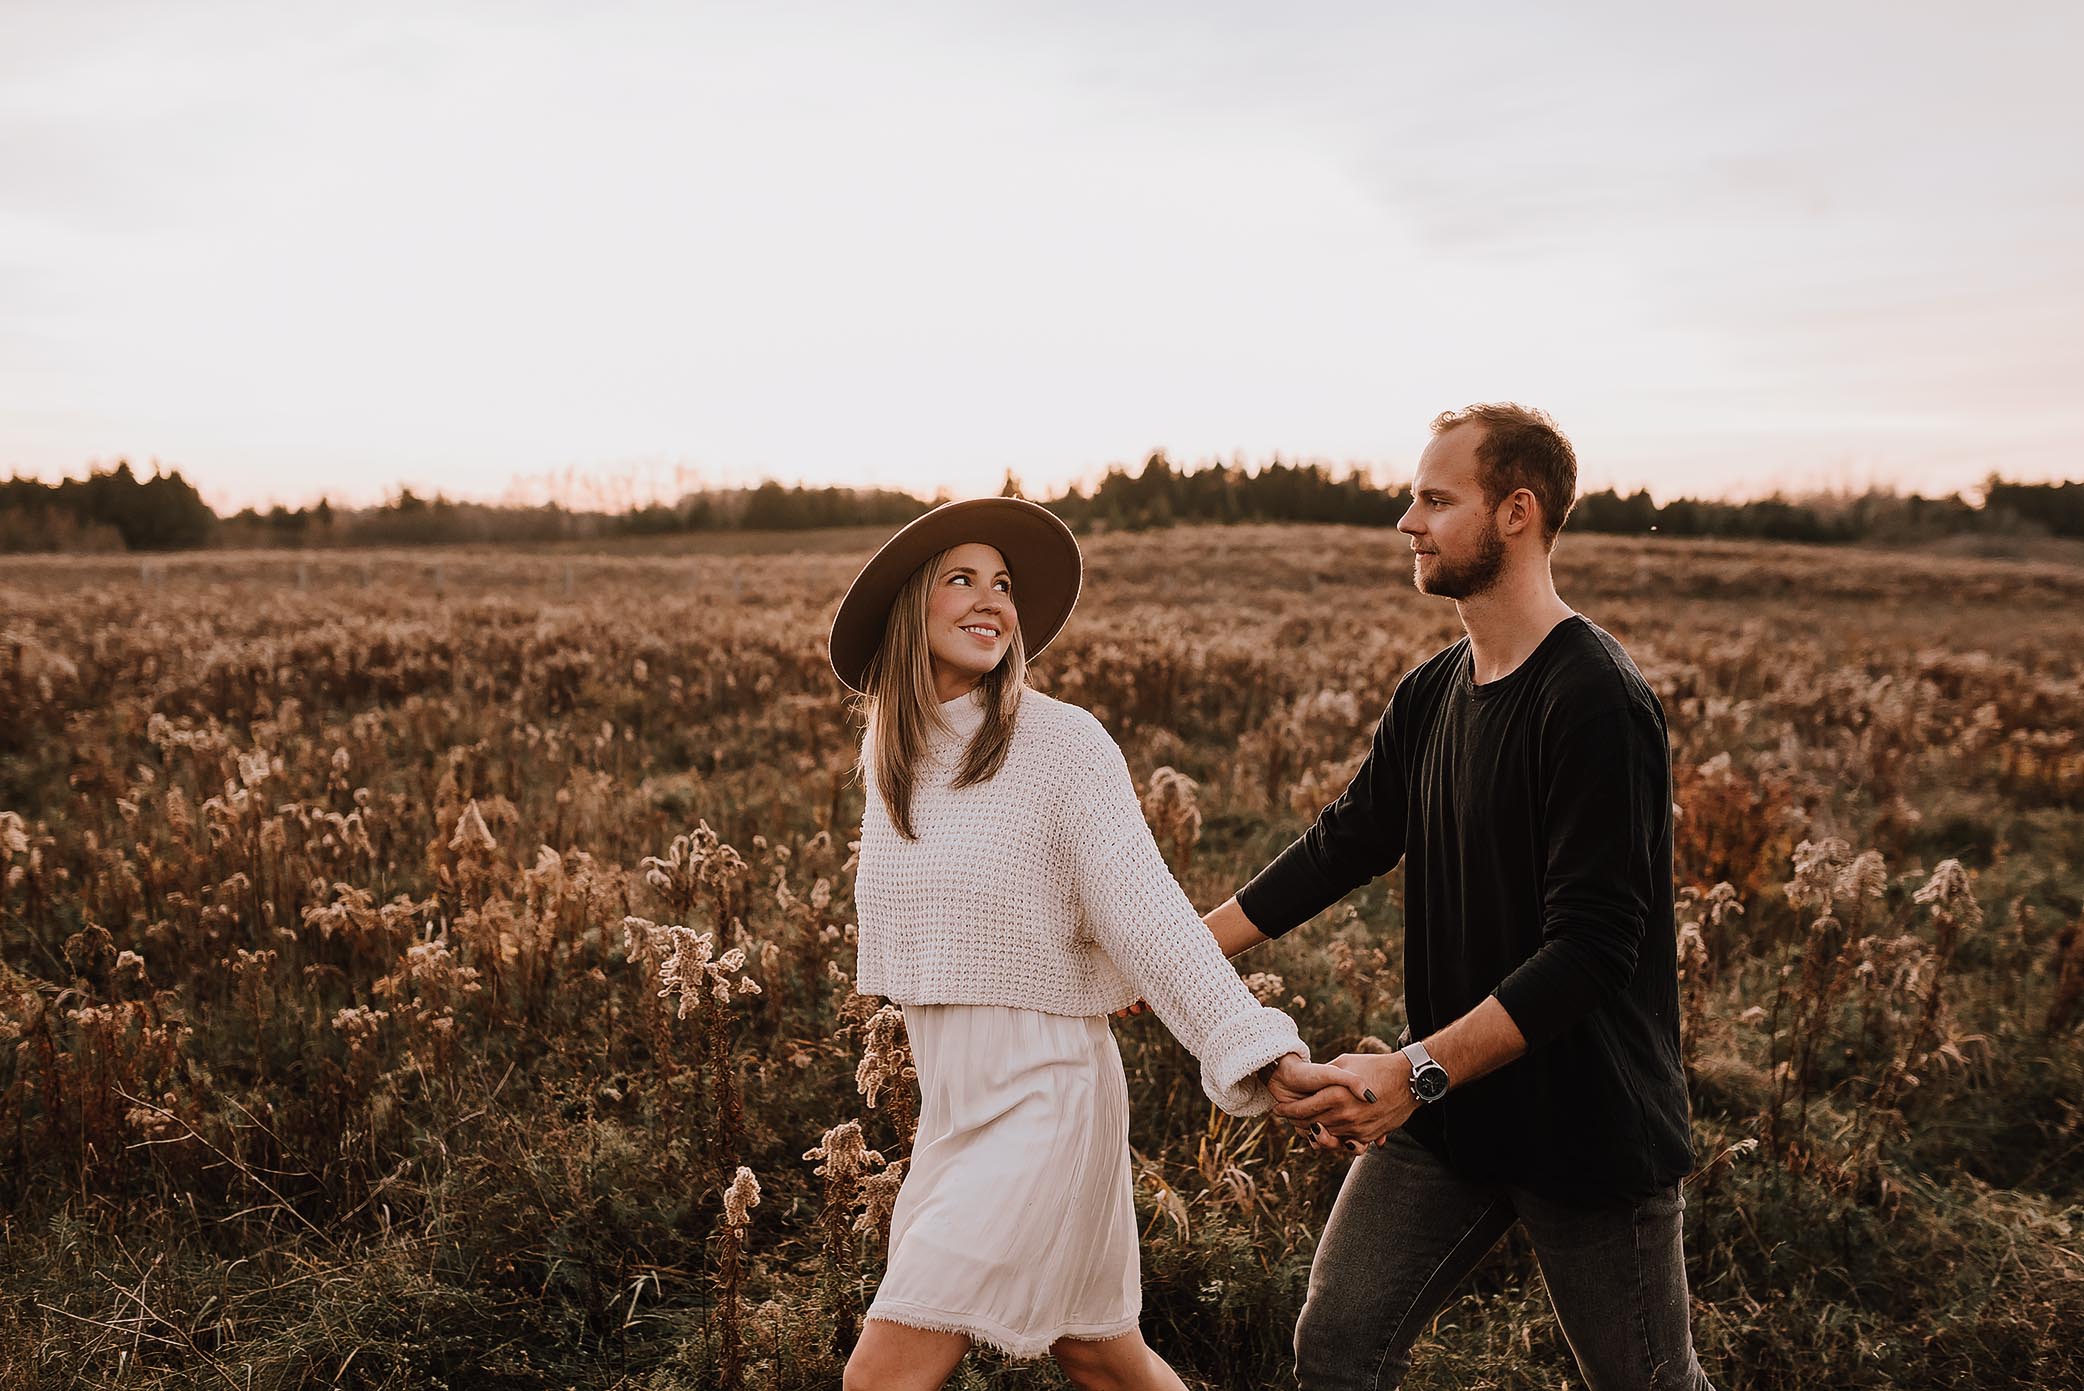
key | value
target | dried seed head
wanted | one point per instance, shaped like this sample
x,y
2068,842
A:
x,y
472,833
1951,895
886,1055
877,1196
846,1155
1266,987
741,1198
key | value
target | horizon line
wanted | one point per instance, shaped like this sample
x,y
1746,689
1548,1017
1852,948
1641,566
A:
x,y
558,489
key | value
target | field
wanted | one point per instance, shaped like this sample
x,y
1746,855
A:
x,y
410,963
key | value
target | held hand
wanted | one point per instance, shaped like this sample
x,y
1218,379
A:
x,y
1130,1011
1350,1118
1293,1081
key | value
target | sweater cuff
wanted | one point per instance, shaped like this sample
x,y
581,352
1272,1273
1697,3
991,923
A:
x,y
1237,1049
1289,891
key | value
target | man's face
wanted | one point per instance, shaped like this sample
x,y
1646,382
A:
x,y
1457,552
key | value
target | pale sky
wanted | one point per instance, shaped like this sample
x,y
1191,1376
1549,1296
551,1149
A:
x,y
296,250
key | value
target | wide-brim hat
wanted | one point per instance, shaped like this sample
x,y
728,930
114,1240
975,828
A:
x,y
1041,555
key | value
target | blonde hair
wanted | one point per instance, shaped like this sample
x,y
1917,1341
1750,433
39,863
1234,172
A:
x,y
901,706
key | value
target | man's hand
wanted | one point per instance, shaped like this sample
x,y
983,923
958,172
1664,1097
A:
x,y
1293,1081
1359,1114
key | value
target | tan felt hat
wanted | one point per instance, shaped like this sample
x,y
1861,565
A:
x,y
1041,555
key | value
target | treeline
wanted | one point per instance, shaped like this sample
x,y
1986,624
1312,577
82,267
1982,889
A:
x,y
115,510
1161,494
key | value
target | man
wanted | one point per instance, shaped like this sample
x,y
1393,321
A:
x,y
1523,778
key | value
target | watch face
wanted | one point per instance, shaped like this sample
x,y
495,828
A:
x,y
1430,1082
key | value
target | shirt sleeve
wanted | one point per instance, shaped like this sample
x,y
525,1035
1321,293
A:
x,y
1357,838
1138,914
1605,778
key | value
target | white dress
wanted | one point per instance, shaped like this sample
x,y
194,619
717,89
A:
x,y
1028,908
1016,1223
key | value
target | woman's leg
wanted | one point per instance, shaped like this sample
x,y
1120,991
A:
x,y
895,1357
1114,1364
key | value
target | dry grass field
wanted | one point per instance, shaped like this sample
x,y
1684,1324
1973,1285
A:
x,y
433,969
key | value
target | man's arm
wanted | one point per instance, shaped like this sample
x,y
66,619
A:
x,y
1357,838
1479,1043
1233,930
1606,792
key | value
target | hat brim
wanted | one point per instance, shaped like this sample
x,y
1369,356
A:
x,y
1041,555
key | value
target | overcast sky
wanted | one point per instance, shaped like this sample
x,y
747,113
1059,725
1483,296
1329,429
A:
x,y
297,250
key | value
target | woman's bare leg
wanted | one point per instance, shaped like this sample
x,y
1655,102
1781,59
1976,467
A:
x,y
894,1357
1114,1364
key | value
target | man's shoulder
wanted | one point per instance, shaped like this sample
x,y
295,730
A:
x,y
1441,666
1420,690
1589,669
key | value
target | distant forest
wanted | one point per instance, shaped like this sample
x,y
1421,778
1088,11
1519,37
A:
x,y
115,510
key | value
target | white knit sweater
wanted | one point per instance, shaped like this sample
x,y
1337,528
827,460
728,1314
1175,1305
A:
x,y
1042,889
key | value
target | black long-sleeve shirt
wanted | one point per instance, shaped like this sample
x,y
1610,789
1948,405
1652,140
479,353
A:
x,y
1533,816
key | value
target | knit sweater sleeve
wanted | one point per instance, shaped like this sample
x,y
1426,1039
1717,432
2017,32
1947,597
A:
x,y
1138,914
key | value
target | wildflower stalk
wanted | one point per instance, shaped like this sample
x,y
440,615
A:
x,y
739,1200
846,1158
886,1064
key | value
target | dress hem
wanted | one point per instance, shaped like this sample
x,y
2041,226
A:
x,y
992,1335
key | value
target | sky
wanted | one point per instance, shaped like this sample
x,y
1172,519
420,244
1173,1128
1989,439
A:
x,y
608,252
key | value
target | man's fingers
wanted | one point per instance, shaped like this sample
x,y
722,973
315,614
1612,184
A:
x,y
1313,1106
1316,1077
1351,1081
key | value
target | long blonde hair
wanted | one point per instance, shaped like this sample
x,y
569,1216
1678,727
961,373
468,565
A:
x,y
901,705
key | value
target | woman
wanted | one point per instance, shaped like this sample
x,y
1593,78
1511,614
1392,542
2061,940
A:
x,y
1010,897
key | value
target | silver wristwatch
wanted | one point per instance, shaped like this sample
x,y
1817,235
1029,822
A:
x,y
1428,1078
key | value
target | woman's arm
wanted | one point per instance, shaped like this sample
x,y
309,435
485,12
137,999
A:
x,y
1135,910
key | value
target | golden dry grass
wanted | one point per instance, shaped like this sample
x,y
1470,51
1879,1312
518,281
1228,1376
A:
x,y
340,894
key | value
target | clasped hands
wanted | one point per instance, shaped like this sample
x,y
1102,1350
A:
x,y
1347,1104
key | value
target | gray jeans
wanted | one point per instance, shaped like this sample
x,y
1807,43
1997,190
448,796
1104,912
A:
x,y
1406,1231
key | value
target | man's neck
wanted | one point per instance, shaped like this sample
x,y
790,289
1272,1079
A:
x,y
1508,621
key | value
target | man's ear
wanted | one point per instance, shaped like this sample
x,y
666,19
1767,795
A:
x,y
1521,512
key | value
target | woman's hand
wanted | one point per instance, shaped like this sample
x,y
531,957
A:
x,y
1131,1010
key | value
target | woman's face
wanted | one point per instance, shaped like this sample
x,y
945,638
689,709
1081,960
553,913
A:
x,y
969,616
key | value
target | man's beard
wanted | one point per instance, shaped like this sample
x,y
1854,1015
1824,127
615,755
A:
x,y
1468,578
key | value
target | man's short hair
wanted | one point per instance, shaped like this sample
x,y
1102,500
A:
x,y
1521,448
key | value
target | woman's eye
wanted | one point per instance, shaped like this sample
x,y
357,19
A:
x,y
1004,586
959,579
